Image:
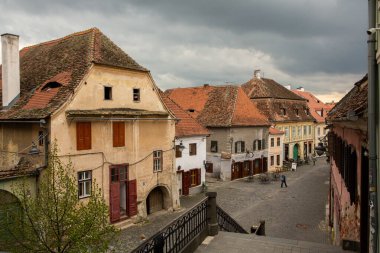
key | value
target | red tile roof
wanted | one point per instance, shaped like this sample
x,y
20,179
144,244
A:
x,y
314,105
66,61
354,103
187,125
219,106
275,131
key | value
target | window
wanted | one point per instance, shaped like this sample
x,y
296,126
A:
x,y
84,184
136,95
299,131
309,130
304,130
286,131
283,111
278,159
118,129
193,148
307,111
258,144
293,132
278,141
107,93
272,142
40,138
178,152
195,177
157,160
239,147
83,135
214,146
209,168
263,144
296,111
271,160
324,131
319,131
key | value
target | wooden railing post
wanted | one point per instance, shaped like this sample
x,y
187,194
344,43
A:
x,y
212,221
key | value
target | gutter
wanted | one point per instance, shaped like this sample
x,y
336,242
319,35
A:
x,y
372,141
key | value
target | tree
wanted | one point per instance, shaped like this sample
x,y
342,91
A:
x,y
55,220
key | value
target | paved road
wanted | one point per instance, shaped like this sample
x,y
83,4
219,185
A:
x,y
297,212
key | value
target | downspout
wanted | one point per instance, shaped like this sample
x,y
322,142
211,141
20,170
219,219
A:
x,y
372,125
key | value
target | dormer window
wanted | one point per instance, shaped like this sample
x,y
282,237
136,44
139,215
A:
x,y
283,111
107,93
307,112
136,95
296,112
51,85
191,110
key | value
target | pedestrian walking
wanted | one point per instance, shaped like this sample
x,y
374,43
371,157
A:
x,y
283,181
314,159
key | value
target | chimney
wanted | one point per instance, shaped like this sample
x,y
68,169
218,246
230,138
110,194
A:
x,y
10,69
257,74
301,88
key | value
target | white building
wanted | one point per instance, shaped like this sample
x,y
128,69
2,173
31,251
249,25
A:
x,y
275,149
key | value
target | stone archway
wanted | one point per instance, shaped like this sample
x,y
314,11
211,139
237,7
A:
x,y
8,203
157,199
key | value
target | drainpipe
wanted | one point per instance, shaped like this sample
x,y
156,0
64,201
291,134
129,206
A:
x,y
372,125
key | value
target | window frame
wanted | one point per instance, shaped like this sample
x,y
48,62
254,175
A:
x,y
118,129
272,142
192,149
272,160
239,147
157,161
214,144
178,153
136,95
81,128
82,182
107,90
278,141
278,160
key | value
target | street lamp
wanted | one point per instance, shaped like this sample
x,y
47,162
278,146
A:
x,y
320,149
181,147
34,150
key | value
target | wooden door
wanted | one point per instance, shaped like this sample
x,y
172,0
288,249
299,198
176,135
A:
x,y
132,198
246,168
186,180
265,164
156,201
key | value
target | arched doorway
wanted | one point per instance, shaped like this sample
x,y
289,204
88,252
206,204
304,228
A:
x,y
10,208
295,152
157,200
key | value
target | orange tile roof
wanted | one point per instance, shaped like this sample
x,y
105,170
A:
x,y
219,106
275,131
187,125
314,105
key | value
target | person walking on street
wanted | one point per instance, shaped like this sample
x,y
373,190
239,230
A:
x,y
283,181
314,159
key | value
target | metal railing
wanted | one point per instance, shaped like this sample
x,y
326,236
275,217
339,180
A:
x,y
227,223
175,236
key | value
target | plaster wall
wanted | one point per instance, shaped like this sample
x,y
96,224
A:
x,y
142,137
275,151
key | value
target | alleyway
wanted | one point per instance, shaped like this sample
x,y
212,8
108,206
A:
x,y
296,212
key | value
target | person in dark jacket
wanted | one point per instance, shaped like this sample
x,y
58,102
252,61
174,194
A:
x,y
283,181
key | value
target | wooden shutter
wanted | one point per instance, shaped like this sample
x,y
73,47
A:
x,y
83,135
132,197
199,172
236,147
118,134
115,201
242,146
186,181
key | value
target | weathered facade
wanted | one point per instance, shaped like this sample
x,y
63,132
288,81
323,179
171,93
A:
x,y
275,152
106,116
348,148
287,111
237,145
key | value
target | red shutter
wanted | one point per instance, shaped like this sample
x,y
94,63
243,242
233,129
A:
x,y
115,132
199,171
186,178
80,136
83,135
115,201
118,134
122,134
132,198
87,135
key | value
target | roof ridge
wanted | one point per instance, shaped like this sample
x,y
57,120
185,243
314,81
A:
x,y
235,102
93,29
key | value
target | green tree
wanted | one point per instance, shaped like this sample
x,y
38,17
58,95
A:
x,y
55,220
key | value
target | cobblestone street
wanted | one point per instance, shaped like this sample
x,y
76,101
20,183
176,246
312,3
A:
x,y
297,212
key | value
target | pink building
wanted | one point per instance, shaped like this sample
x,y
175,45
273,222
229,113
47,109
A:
x,y
348,200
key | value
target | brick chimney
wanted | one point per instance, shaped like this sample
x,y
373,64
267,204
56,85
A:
x,y
10,69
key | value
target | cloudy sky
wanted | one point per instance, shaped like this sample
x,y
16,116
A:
x,y
320,45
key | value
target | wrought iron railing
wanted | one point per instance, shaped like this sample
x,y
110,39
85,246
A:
x,y
175,236
227,223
